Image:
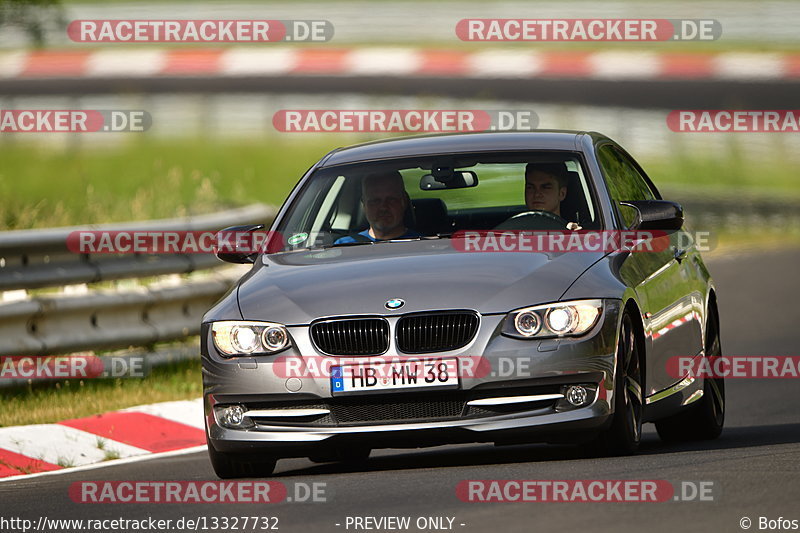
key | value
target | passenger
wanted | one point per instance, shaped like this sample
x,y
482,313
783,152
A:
x,y
385,202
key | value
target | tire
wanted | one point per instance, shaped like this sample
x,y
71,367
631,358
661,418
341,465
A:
x,y
625,433
705,418
235,465
345,455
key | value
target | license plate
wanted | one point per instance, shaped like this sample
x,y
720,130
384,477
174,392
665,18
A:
x,y
413,374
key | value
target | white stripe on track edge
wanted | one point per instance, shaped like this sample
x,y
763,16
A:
x,y
115,462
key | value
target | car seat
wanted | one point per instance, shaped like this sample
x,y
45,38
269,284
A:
x,y
430,216
573,206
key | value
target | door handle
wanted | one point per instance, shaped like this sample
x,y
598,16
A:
x,y
679,254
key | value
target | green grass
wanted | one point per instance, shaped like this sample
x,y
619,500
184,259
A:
x,y
166,178
46,403
727,174
147,179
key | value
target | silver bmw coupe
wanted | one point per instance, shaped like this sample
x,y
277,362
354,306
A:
x,y
484,287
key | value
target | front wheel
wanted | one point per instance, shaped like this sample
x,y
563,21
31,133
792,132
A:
x,y
704,419
625,433
235,465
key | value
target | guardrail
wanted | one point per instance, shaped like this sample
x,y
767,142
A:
x,y
105,319
31,259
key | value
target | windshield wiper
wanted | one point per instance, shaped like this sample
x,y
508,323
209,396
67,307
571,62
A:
x,y
405,239
420,238
354,243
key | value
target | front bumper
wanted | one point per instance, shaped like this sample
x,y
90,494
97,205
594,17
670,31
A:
x,y
518,367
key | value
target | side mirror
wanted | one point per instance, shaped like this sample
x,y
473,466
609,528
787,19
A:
x,y
230,253
656,214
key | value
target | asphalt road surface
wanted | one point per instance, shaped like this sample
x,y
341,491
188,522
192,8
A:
x,y
754,466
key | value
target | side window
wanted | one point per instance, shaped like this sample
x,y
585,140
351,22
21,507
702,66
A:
x,y
623,179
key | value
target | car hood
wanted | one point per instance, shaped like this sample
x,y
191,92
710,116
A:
x,y
297,287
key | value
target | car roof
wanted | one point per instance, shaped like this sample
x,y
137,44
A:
x,y
420,145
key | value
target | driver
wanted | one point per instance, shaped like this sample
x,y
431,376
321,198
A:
x,y
545,186
385,201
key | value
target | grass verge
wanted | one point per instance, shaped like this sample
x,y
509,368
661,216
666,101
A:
x,y
146,179
47,403
165,178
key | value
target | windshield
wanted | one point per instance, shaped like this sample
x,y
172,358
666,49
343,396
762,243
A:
x,y
437,196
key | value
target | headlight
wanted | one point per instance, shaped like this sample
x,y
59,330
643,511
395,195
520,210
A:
x,y
560,320
563,319
244,338
527,323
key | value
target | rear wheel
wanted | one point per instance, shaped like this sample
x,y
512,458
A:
x,y
234,465
625,433
705,418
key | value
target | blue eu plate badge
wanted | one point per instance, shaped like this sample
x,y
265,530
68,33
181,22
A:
x,y
337,380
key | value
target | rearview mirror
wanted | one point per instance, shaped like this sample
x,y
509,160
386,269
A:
x,y
656,214
448,179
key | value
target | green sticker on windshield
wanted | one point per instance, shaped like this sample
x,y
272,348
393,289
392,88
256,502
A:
x,y
297,238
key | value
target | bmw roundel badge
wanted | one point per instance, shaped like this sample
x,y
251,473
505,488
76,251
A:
x,y
394,303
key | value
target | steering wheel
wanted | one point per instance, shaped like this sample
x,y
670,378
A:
x,y
533,220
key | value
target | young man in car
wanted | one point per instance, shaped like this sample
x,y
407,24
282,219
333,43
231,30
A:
x,y
385,202
545,186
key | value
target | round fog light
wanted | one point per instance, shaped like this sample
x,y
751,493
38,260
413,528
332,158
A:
x,y
233,416
577,395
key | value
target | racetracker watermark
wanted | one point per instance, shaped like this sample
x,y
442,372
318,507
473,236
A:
x,y
403,120
120,524
177,492
173,242
734,120
583,490
383,370
734,366
588,30
115,492
253,242
564,241
71,367
73,121
199,31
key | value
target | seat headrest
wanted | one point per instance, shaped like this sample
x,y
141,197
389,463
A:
x,y
573,207
430,215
